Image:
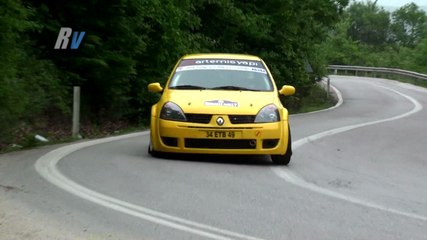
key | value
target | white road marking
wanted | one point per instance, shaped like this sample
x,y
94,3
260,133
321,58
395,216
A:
x,y
289,176
46,166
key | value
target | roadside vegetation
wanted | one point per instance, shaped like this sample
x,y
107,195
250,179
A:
x,y
131,43
368,35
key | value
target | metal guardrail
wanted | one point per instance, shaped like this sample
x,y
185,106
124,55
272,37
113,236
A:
x,y
376,71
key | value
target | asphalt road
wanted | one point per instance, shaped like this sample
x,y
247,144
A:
x,y
359,171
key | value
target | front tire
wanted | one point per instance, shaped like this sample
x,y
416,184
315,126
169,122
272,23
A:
x,y
286,158
153,152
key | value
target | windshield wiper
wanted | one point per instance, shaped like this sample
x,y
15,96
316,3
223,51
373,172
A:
x,y
234,88
187,87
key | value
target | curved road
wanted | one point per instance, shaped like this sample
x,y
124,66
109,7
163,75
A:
x,y
359,171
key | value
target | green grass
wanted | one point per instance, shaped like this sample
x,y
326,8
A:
x,y
30,142
317,99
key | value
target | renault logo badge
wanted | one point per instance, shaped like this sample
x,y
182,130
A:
x,y
220,121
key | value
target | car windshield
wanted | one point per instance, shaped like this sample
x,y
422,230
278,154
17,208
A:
x,y
215,74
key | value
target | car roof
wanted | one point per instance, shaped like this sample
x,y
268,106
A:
x,y
221,56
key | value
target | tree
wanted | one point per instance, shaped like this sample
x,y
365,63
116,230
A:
x,y
29,85
364,36
409,25
369,23
339,48
419,59
105,62
130,43
13,22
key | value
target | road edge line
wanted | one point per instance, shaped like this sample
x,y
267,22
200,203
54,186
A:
x,y
46,166
287,175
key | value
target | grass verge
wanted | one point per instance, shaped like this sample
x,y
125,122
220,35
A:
x,y
317,99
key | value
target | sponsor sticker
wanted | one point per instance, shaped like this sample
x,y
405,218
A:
x,y
228,62
235,62
221,67
221,103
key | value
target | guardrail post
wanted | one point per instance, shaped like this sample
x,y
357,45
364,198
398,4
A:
x,y
335,71
76,113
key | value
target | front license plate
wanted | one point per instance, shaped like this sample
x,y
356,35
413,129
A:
x,y
220,134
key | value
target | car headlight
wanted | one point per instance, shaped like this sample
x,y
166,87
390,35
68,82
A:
x,y
269,113
172,111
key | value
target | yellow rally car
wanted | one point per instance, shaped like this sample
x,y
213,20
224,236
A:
x,y
221,104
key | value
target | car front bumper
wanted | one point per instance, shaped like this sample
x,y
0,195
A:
x,y
253,138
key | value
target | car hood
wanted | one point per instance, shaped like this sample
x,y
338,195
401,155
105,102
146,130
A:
x,y
221,102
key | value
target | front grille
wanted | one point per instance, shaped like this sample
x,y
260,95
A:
x,y
241,119
220,143
198,118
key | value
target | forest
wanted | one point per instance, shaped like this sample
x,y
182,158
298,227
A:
x,y
131,43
